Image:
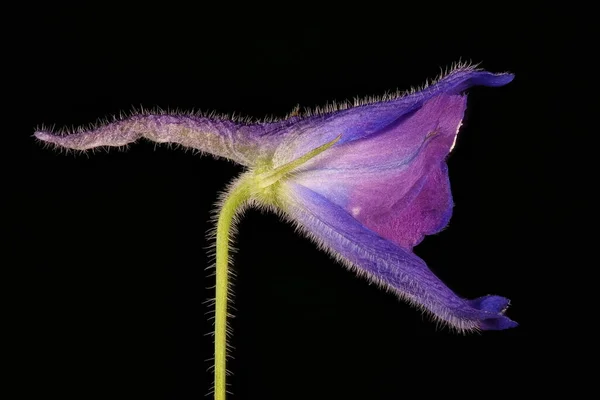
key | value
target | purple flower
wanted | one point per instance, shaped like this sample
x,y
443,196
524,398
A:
x,y
366,182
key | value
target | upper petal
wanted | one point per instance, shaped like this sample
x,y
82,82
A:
x,y
363,120
397,269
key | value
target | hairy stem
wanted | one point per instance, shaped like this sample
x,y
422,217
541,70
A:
x,y
235,199
248,186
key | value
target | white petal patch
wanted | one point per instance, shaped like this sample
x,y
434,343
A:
x,y
456,135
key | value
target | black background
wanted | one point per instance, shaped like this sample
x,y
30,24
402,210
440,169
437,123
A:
x,y
114,244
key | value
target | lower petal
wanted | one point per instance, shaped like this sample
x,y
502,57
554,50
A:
x,y
386,263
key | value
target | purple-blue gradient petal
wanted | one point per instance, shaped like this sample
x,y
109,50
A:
x,y
304,134
384,262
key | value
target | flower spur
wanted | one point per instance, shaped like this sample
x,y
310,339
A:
x,y
365,182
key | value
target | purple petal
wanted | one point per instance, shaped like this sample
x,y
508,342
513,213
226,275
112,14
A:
x,y
240,142
368,119
396,182
382,261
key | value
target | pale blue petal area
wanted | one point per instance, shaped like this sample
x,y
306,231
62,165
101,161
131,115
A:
x,y
304,134
388,264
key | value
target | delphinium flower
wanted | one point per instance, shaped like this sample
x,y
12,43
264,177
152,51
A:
x,y
366,182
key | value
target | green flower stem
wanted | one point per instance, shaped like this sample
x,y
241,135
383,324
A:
x,y
236,198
